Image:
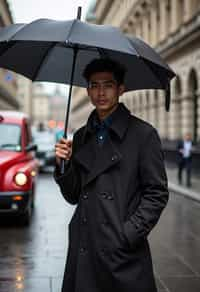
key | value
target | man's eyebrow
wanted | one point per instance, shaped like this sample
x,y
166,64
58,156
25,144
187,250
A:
x,y
103,81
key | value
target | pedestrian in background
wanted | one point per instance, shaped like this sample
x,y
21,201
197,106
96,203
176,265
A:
x,y
185,158
115,173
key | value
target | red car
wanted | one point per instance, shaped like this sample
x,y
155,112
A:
x,y
18,165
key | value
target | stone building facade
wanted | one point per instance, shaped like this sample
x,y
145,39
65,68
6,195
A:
x,y
172,27
40,105
8,80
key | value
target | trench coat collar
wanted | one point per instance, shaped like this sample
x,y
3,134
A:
x,y
95,159
119,123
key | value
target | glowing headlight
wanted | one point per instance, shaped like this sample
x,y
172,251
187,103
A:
x,y
21,179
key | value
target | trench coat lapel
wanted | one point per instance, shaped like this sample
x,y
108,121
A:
x,y
97,159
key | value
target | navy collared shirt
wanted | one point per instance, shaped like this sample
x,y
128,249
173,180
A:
x,y
102,128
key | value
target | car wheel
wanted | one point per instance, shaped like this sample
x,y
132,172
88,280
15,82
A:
x,y
25,219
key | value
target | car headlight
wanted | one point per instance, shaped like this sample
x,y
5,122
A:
x,y
21,179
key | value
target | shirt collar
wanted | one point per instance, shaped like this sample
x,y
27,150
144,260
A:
x,y
118,121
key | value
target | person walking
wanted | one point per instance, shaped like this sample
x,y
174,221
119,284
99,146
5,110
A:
x,y
114,172
185,158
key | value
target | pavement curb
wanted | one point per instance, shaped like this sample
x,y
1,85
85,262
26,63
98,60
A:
x,y
184,191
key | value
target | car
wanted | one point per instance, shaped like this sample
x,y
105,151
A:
x,y
18,166
45,141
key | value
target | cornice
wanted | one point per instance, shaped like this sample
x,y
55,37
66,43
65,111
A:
x,y
187,34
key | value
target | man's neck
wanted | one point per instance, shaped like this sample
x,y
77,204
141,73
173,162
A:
x,y
103,115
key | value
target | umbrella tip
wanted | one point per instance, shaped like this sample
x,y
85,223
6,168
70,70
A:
x,y
79,13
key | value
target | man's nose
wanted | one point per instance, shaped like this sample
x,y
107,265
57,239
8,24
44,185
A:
x,y
101,89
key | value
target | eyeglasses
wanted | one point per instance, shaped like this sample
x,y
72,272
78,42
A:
x,y
104,84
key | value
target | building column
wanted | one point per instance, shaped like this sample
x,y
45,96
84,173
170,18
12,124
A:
x,y
187,114
145,27
161,114
153,24
198,119
176,15
139,29
163,20
189,9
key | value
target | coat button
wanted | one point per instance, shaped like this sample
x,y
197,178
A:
x,y
137,225
114,157
110,197
82,249
85,196
104,195
84,220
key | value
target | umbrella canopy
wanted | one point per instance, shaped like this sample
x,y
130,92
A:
x,y
58,51
43,51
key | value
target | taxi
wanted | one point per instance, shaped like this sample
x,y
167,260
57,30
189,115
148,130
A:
x,y
18,166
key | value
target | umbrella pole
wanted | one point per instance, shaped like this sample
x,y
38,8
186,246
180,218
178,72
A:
x,y
75,50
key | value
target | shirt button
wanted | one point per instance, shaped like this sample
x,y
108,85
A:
x,y
100,137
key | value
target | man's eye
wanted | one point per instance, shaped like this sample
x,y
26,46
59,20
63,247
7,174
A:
x,y
93,85
108,85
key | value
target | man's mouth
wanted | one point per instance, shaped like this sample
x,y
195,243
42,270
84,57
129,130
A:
x,y
102,101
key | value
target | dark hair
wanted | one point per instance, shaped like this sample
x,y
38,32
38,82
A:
x,y
105,65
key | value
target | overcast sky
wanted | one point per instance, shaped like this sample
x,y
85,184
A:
x,y
24,11
28,10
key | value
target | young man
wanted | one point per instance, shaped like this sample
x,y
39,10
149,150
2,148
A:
x,y
116,176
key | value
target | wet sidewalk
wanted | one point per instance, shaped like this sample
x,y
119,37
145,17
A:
x,y
192,192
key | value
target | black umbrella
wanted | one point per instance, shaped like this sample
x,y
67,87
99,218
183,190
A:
x,y
49,50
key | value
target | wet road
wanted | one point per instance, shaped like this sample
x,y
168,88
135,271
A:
x,y
32,259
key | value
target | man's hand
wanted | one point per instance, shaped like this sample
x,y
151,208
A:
x,y
63,149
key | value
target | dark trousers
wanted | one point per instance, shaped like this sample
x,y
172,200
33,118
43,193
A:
x,y
187,164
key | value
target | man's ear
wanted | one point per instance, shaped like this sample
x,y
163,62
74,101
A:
x,y
121,89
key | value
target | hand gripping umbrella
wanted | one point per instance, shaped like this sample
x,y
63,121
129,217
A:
x,y
49,50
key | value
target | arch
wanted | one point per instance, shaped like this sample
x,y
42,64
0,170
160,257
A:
x,y
193,88
177,87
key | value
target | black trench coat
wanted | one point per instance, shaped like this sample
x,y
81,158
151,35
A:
x,y
120,190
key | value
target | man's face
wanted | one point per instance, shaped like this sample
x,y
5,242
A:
x,y
104,91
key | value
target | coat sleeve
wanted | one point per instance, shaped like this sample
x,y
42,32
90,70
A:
x,y
70,181
154,190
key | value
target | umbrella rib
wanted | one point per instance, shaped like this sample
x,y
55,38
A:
x,y
43,60
102,52
69,34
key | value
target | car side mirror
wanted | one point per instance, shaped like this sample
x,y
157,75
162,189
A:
x,y
31,147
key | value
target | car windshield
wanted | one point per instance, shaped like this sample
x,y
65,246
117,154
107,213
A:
x,y
10,137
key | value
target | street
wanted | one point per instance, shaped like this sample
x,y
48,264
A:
x,y
32,258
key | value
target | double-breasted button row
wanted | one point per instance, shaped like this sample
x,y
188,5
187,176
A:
x,y
107,196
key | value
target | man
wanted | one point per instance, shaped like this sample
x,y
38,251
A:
x,y
116,176
185,158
